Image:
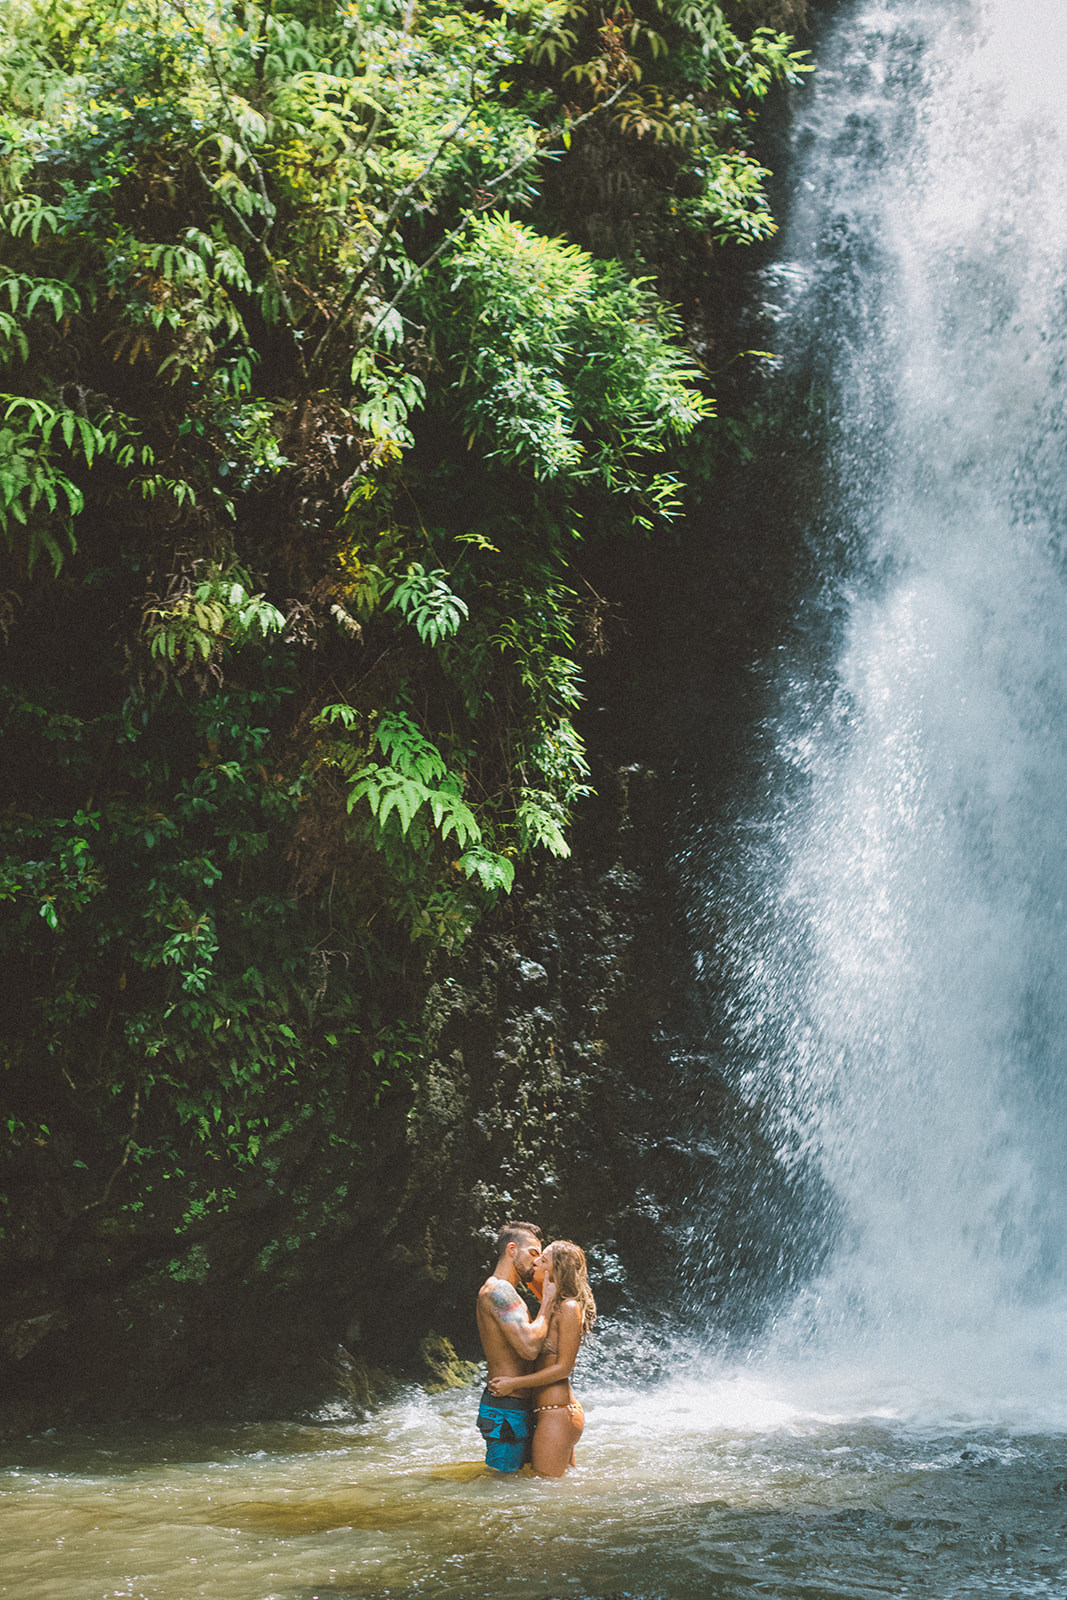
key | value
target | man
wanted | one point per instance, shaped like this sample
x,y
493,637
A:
x,y
511,1341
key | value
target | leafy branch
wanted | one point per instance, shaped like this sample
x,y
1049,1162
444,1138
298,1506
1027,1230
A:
x,y
562,131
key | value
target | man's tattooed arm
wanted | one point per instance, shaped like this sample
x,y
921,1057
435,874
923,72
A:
x,y
524,1336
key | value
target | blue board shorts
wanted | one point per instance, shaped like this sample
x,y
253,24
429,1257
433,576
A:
x,y
506,1423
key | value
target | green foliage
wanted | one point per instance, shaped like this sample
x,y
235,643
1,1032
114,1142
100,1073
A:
x,y
429,604
38,500
569,368
198,620
310,399
412,776
684,83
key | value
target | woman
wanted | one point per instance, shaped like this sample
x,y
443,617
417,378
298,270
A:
x,y
560,1418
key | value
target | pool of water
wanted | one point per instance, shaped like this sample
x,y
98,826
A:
x,y
723,1484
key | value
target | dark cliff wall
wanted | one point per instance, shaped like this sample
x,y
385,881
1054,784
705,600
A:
x,y
560,1066
555,1081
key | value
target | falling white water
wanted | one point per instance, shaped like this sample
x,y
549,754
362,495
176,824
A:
x,y
904,988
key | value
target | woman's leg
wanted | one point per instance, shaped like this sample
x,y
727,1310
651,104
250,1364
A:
x,y
554,1439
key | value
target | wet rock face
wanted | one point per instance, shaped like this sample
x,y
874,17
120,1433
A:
x,y
526,1106
551,1088
565,1078
365,1248
568,1076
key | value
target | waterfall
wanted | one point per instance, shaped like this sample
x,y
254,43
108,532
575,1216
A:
x,y
896,945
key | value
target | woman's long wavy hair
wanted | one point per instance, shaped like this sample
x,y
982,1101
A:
x,y
569,1272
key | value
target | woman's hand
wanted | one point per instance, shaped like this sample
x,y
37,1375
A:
x,y
501,1386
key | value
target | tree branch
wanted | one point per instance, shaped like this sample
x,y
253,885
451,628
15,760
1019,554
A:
x,y
387,227
554,133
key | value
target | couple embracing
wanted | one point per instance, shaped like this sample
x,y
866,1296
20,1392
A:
x,y
528,1410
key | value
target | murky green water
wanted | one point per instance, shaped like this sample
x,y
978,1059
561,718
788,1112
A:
x,y
723,1486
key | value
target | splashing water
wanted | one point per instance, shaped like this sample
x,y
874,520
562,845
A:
x,y
903,984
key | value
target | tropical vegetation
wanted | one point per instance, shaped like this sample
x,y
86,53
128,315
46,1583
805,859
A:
x,y
331,334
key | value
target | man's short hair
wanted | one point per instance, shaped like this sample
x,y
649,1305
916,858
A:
x,y
515,1233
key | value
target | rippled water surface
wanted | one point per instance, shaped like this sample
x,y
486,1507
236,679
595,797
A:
x,y
718,1485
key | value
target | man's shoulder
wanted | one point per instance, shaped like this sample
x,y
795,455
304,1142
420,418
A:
x,y
498,1289
498,1295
